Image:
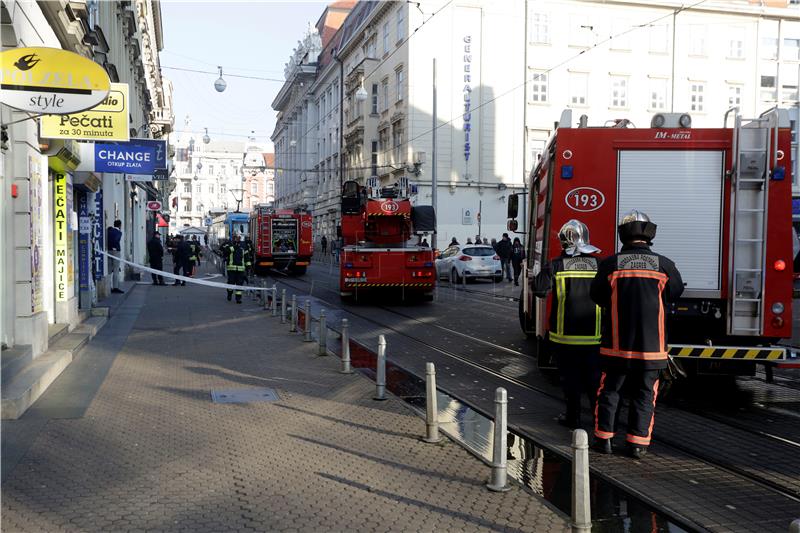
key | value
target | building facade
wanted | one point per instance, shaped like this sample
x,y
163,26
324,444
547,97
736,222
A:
x,y
53,232
208,180
258,176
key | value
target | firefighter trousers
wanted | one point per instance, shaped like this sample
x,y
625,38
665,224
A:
x,y
235,277
579,367
643,389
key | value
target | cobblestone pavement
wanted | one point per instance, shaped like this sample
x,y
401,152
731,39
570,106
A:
x,y
153,452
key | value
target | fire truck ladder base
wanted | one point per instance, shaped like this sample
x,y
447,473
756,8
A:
x,y
754,140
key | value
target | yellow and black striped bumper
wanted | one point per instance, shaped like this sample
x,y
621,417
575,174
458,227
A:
x,y
429,284
727,352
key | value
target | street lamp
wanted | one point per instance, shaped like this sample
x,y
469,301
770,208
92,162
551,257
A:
x,y
206,138
220,84
238,195
361,93
199,168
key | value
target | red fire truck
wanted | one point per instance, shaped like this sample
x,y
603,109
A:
x,y
721,198
281,238
380,229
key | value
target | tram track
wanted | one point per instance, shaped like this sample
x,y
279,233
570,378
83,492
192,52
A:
x,y
715,459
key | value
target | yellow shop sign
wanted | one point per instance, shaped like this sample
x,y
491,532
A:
x,y
108,121
51,80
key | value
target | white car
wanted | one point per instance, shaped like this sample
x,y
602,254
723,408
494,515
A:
x,y
470,261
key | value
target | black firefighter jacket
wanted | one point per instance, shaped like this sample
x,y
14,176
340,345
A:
x,y
634,287
574,317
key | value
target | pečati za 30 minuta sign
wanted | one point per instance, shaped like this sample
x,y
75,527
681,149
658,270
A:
x,y
51,81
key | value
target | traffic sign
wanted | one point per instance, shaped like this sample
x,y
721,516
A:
x,y
153,205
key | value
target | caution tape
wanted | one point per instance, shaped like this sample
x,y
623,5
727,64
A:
x,y
178,277
727,352
389,284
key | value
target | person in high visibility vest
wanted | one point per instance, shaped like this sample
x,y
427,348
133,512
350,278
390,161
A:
x,y
197,253
237,261
634,288
574,333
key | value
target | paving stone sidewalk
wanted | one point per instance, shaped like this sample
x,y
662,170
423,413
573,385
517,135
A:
x,y
153,452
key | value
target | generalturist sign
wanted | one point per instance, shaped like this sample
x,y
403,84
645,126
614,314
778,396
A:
x,y
51,81
108,121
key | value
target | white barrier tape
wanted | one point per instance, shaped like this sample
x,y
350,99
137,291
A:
x,y
184,278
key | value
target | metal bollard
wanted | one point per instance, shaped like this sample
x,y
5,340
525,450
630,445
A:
x,y
431,406
266,298
293,324
307,337
274,303
380,370
581,504
323,334
346,347
498,482
794,527
283,306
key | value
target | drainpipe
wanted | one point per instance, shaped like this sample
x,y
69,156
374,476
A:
x,y
341,127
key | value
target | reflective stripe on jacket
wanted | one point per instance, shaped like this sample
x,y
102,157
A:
x,y
574,318
235,256
633,287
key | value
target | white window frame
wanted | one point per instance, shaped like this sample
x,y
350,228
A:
x,y
659,39
785,47
399,83
540,28
622,36
401,25
736,43
384,96
579,89
698,40
540,87
618,94
735,94
697,96
658,94
386,37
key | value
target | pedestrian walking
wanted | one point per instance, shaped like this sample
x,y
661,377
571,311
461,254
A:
x,y
454,242
324,244
493,244
503,249
235,255
155,251
478,239
574,332
182,259
485,241
633,287
114,238
469,240
517,256
335,250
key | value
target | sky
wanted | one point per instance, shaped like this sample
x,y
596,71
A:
x,y
248,38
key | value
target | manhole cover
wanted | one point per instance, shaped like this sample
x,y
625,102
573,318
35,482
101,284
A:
x,y
244,395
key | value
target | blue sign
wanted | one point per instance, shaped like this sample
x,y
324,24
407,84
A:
x,y
138,156
796,206
98,236
84,231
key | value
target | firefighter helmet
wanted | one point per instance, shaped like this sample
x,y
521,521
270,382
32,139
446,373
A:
x,y
574,237
635,225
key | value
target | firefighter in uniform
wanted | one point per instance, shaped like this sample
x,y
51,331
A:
x,y
574,332
633,287
197,253
237,261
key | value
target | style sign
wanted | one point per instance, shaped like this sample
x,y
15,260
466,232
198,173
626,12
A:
x,y
51,81
138,156
108,121
153,205
585,199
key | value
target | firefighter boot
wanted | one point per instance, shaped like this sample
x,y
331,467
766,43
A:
x,y
637,452
602,446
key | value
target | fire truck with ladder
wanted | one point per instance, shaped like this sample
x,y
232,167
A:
x,y
380,251
721,198
282,239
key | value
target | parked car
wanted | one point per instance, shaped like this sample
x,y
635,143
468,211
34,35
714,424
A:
x,y
469,261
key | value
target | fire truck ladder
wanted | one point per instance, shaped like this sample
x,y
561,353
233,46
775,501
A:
x,y
754,140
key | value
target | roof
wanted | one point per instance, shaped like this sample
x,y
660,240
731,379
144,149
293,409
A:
x,y
355,20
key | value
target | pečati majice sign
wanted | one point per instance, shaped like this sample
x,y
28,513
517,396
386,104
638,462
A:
x,y
51,81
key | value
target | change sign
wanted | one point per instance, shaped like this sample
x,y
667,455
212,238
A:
x,y
107,121
139,156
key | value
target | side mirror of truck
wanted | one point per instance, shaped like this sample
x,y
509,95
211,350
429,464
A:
x,y
513,205
512,225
